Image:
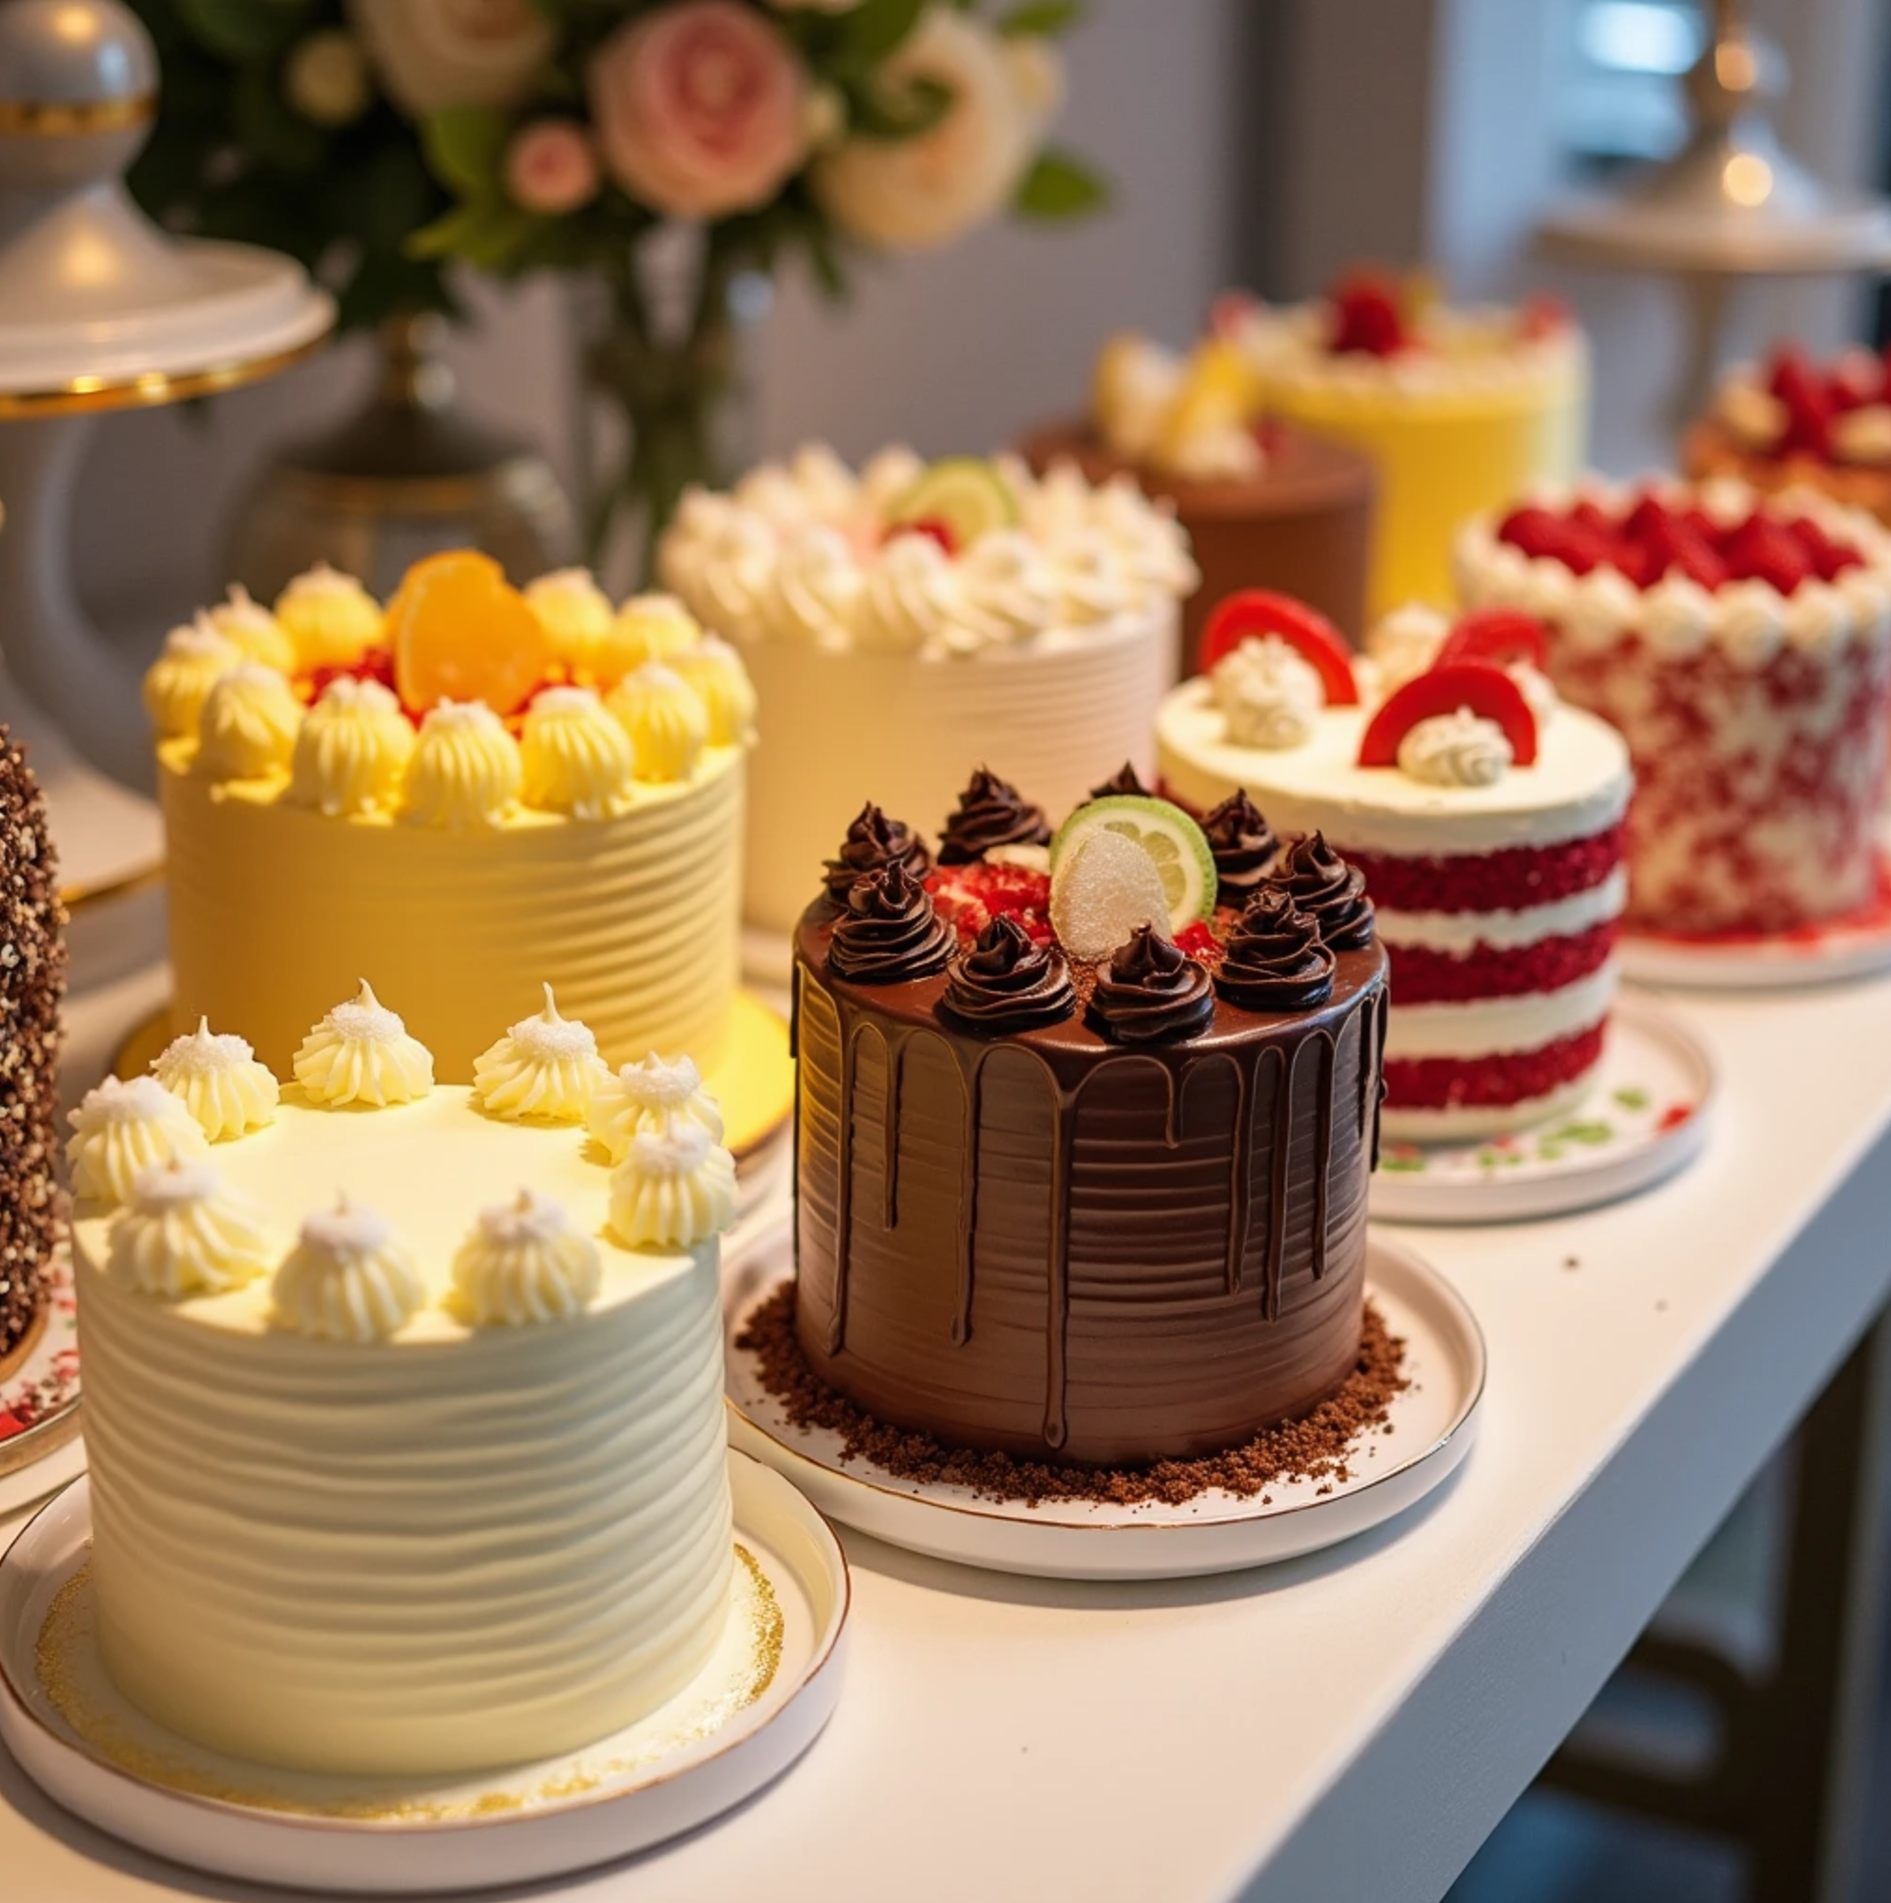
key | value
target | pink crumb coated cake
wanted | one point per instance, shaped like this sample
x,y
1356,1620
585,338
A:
x,y
1484,816
1742,645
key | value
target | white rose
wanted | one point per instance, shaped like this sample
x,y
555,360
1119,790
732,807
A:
x,y
436,53
910,193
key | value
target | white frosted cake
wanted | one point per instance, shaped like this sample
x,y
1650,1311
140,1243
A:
x,y
403,1401
899,622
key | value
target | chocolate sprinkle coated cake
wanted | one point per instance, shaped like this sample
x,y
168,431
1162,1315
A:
x,y
32,984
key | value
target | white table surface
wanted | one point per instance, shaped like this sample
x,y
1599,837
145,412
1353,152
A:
x,y
1348,1726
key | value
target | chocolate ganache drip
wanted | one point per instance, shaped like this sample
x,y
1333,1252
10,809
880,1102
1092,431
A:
x,y
890,931
1009,982
1321,882
1153,992
1275,958
1244,845
992,812
873,841
1123,781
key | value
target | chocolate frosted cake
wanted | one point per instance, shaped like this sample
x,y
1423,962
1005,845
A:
x,y
32,982
1082,1152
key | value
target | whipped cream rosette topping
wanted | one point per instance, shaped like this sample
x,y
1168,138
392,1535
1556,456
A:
x,y
649,1095
1008,982
216,1077
465,770
330,617
1459,748
874,842
664,720
649,627
1152,992
675,1187
575,614
347,1279
524,1263
125,1125
545,1069
183,1233
1244,845
1402,645
1323,884
252,628
352,752
991,812
1269,694
248,725
575,758
1275,958
176,685
361,1053
718,679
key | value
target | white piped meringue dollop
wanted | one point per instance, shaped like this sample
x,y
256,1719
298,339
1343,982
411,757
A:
x,y
649,1095
524,1263
352,752
347,1279
910,597
252,628
1269,695
329,616
361,1053
1009,588
545,1068
248,725
183,1234
575,758
664,720
1403,644
465,769
674,1187
1456,749
817,589
217,1079
192,661
125,1125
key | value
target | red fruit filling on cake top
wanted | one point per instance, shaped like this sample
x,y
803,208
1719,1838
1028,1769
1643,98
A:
x,y
970,896
1421,975
1366,316
1653,538
1478,1083
1508,880
1812,397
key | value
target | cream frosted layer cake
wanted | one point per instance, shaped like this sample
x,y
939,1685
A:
x,y
1485,817
1742,646
403,1401
901,621
473,791
1458,408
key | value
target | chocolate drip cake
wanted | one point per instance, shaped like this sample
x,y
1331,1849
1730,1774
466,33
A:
x,y
32,982
1074,1184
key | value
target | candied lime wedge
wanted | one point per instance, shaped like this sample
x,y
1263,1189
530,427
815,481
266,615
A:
x,y
1172,842
964,496
1102,890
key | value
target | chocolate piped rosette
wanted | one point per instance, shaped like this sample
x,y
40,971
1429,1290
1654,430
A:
x,y
1439,787
403,1400
1084,1126
1741,644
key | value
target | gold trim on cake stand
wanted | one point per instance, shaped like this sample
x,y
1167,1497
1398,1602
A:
x,y
39,1377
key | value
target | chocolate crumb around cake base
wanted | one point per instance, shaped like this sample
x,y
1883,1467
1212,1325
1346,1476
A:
x,y
1323,1445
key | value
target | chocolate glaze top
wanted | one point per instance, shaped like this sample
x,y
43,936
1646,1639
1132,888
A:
x,y
1153,992
1244,845
874,841
991,812
1275,958
1009,982
890,931
1123,780
1321,882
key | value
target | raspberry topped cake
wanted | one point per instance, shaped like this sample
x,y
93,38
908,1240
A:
x,y
1457,409
1483,816
1082,1135
923,616
1792,423
1742,646
475,790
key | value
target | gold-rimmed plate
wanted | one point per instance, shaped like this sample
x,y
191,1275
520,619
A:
x,y
40,1447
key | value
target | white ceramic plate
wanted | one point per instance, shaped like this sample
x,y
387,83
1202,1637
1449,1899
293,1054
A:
x,y
40,1448
754,1709
1645,1117
1435,1421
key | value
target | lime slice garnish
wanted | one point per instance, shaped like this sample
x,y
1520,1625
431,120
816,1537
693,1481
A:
x,y
1174,845
970,498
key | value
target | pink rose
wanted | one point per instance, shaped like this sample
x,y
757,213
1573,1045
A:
x,y
551,168
701,108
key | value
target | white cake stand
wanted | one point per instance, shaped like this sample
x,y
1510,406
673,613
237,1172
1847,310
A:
x,y
99,310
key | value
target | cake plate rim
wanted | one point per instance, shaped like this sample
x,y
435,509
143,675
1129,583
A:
x,y
39,1460
1586,1180
1095,1541
560,1835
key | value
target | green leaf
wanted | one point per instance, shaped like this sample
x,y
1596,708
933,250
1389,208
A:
x,y
464,146
884,113
243,30
488,233
875,27
1059,186
1041,19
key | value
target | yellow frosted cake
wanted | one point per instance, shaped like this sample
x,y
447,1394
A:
x,y
403,1400
474,790
1459,409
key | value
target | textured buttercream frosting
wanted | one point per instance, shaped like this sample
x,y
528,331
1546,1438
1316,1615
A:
x,y
123,1126
182,1234
545,1067
361,1053
218,1080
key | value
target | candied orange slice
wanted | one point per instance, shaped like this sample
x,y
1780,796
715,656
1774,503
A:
x,y
461,631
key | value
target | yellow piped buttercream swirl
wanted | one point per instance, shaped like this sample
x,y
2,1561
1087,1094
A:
x,y
714,669
361,1053
576,758
524,1263
248,725
123,1126
575,614
251,627
329,616
352,751
544,1068
183,1234
193,660
675,1187
664,720
465,770
347,1279
650,627
218,1080
650,1095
